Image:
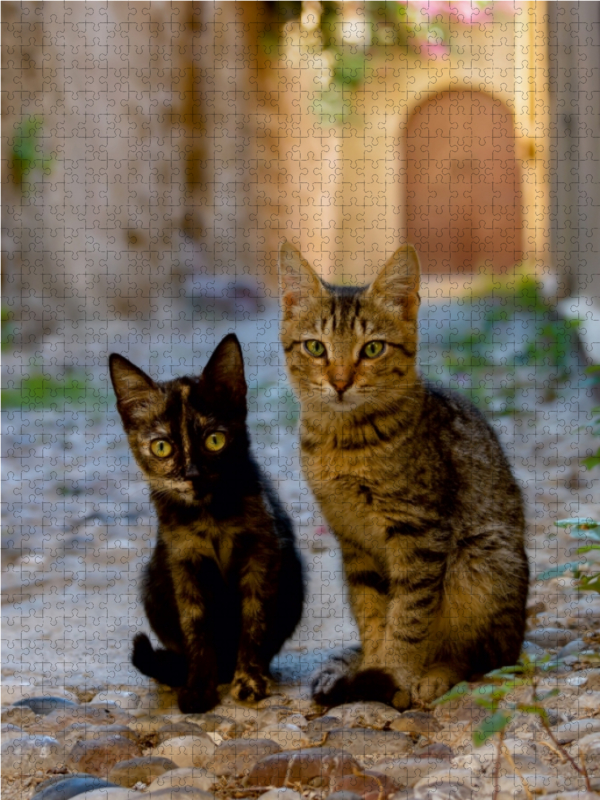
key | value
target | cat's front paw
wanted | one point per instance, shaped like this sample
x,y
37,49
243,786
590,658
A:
x,y
434,684
196,700
249,688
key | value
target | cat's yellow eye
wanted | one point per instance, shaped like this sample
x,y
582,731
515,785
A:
x,y
161,448
315,348
373,349
215,441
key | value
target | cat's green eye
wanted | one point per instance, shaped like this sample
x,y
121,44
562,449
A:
x,y
373,349
215,441
161,448
315,348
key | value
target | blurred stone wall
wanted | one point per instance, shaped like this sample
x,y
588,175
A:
x,y
147,154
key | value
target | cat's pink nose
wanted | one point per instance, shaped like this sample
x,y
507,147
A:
x,y
340,385
340,379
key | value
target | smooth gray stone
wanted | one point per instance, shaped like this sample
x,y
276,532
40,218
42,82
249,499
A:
x,y
44,705
70,786
572,648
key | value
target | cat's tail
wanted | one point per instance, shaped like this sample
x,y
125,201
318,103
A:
x,y
165,666
340,681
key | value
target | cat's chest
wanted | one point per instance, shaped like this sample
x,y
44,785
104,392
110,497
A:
x,y
197,540
349,470
346,488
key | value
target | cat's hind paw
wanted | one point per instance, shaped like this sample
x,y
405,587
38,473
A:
x,y
249,688
329,685
329,688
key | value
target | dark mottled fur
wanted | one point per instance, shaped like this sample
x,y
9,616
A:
x,y
413,483
224,588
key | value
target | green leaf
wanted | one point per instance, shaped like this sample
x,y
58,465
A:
x,y
587,522
540,711
490,726
456,693
589,583
591,461
547,695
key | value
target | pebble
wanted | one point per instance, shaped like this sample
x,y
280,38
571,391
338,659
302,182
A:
x,y
280,794
416,722
124,700
408,771
366,742
187,751
99,756
464,777
551,637
287,736
67,786
533,650
239,756
538,783
80,732
572,648
185,776
444,791
10,731
571,731
27,754
90,715
344,795
110,793
312,766
592,678
183,792
366,784
11,693
434,750
368,715
590,744
589,700
317,728
139,770
175,730
148,724
45,705
206,722
572,796
21,716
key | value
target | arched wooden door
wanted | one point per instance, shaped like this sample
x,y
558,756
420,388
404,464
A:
x,y
463,185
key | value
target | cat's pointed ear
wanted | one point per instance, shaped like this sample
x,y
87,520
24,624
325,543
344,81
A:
x,y
224,373
132,386
297,279
397,285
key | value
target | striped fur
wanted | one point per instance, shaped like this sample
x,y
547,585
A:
x,y
223,589
414,485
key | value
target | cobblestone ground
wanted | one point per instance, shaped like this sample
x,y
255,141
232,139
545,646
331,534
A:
x,y
78,526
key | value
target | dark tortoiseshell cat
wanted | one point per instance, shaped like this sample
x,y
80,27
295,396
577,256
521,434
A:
x,y
224,587
413,483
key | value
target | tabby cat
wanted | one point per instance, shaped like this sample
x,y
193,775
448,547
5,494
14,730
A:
x,y
414,485
224,587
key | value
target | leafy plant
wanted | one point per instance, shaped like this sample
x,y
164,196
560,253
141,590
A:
x,y
492,364
495,697
585,572
594,460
